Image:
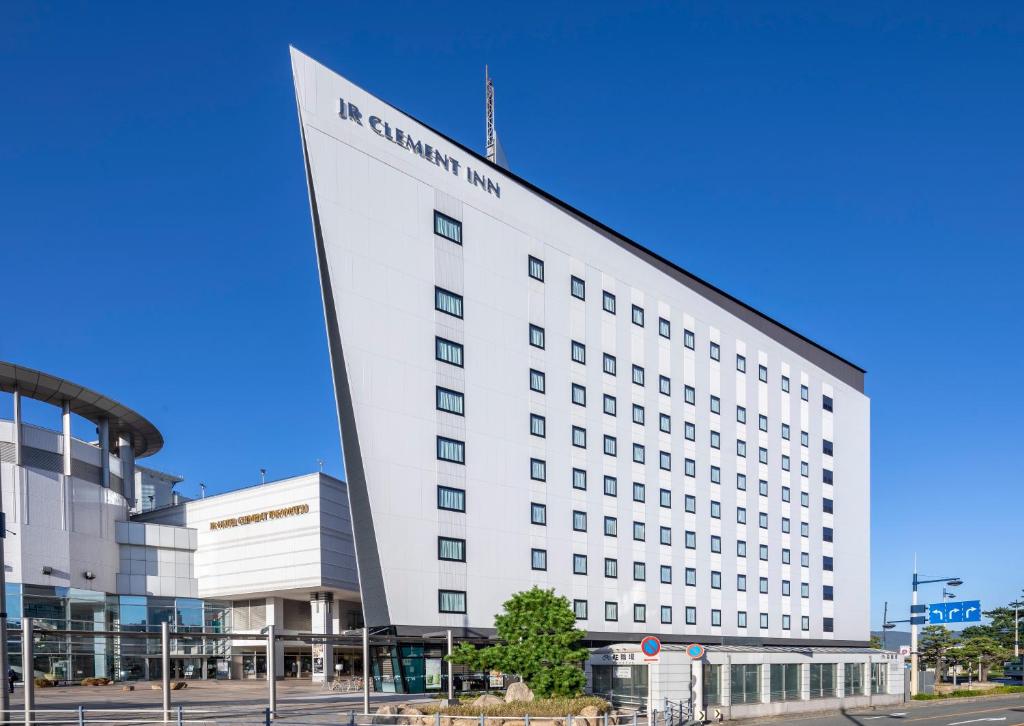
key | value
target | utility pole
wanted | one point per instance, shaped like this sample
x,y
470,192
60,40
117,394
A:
x,y
1016,625
916,618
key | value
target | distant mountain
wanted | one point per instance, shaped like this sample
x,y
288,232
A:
x,y
892,639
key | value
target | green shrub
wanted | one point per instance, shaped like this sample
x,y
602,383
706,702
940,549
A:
x,y
537,707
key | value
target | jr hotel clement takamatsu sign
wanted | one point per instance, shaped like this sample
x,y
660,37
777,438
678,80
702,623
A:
x,y
260,517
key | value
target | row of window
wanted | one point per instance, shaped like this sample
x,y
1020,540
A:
x,y
577,288
539,561
785,681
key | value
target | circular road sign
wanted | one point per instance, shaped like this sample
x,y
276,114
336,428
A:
x,y
695,651
650,646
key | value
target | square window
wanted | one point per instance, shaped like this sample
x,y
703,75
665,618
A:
x,y
536,381
609,405
639,613
579,394
445,226
447,302
638,316
538,513
538,559
666,614
448,351
688,339
579,521
579,608
538,470
716,352
579,564
536,336
608,302
579,437
690,395
451,499
611,445
611,527
579,479
762,374
741,364
690,503
579,352
665,535
611,611
538,425
451,401
577,288
639,492
451,601
611,486
664,328
609,364
535,269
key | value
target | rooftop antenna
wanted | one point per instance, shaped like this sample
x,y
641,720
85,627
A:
x,y
320,462
202,490
263,476
495,154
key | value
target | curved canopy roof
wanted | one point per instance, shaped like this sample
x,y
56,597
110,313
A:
x,y
88,404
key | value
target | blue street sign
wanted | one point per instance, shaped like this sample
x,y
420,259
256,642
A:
x,y
967,611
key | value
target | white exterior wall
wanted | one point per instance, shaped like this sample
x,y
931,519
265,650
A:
x,y
302,552
373,203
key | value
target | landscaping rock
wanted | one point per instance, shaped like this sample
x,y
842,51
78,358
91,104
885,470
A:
x,y
589,716
155,687
178,685
387,711
520,692
127,688
487,700
411,715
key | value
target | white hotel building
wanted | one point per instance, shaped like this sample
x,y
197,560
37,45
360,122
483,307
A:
x,y
527,397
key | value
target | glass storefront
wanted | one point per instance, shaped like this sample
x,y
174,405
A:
x,y
70,658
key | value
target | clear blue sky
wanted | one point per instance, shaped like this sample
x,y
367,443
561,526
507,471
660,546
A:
x,y
856,172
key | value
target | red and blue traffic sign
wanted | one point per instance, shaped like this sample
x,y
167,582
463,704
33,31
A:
x,y
650,646
695,651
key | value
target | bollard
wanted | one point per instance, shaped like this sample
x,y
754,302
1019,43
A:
x,y
526,720
437,719
351,718
81,716
605,718
634,718
266,717
165,668
481,719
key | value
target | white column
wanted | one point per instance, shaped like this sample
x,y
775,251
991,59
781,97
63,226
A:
x,y
17,426
697,679
66,427
275,617
104,433
321,605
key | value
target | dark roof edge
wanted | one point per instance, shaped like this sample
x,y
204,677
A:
x,y
846,371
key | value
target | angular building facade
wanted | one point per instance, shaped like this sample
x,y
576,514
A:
x,y
527,397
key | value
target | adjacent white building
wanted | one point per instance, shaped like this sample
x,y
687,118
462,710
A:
x,y
527,397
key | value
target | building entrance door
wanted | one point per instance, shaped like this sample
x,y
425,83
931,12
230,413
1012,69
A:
x,y
254,665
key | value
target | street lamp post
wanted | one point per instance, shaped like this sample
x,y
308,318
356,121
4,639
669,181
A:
x,y
1016,627
916,619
